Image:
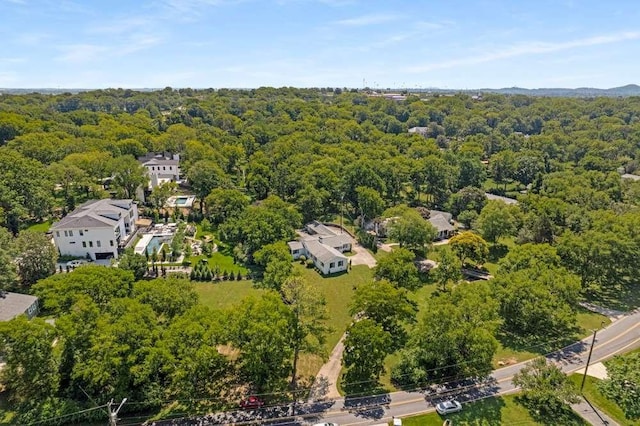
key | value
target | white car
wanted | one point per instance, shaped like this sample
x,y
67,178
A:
x,y
448,407
76,263
326,424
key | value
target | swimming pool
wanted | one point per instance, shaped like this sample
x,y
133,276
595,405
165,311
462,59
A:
x,y
155,243
181,201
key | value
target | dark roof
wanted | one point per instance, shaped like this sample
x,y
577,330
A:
x,y
95,213
14,304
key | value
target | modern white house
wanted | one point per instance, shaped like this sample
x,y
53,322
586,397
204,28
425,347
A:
x,y
161,169
96,229
324,247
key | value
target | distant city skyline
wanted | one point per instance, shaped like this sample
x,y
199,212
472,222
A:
x,y
452,44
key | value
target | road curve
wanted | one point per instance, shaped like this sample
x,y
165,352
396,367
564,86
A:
x,y
620,336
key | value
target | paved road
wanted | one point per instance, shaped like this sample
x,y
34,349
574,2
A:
x,y
620,336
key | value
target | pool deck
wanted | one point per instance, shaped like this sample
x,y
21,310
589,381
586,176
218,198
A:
x,y
173,201
146,239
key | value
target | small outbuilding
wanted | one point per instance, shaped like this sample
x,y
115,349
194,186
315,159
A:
x,y
15,304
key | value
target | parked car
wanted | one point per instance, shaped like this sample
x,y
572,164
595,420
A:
x,y
251,403
76,263
448,407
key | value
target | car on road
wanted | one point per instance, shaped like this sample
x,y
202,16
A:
x,y
448,407
251,403
76,263
326,424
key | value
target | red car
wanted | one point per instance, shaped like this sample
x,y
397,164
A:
x,y
251,403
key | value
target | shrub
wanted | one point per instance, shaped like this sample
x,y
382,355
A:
x,y
310,263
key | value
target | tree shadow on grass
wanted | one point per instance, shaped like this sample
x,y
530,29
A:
x,y
497,251
621,298
563,416
566,346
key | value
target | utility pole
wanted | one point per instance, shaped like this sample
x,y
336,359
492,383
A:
x,y
593,341
341,211
113,415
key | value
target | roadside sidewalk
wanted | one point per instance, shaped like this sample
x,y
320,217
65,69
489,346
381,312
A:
x,y
591,414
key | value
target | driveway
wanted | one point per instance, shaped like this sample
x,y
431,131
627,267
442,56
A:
x,y
362,256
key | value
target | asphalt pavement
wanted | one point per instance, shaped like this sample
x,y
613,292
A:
x,y
620,336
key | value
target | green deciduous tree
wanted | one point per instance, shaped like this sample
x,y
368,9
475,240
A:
x,y
538,304
399,269
36,257
385,304
134,262
59,292
309,314
455,337
448,270
128,175
168,297
8,274
366,345
497,220
546,388
469,245
223,204
411,230
623,383
263,330
370,203
30,372
204,176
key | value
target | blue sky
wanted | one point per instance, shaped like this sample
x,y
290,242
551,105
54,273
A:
x,y
453,44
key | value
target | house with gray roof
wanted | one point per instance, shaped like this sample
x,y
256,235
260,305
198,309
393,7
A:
x,y
324,247
442,223
96,229
15,304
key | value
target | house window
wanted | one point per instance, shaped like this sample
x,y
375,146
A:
x,y
98,243
170,168
131,213
322,264
340,263
84,244
90,243
296,251
153,168
81,233
111,243
71,233
66,234
332,265
164,168
57,233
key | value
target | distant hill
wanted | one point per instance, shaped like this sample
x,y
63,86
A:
x,y
628,90
580,92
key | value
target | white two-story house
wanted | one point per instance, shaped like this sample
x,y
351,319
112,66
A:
x,y
96,229
161,169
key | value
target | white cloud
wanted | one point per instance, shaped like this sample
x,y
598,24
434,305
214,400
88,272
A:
x,y
85,52
531,48
365,20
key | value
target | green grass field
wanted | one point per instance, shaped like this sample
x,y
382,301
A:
x,y
223,294
490,412
40,227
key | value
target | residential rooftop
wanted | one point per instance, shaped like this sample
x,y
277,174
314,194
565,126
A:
x,y
96,214
14,304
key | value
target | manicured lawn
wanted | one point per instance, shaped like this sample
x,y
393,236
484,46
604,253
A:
x,y
626,298
490,412
222,261
337,291
223,294
40,227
